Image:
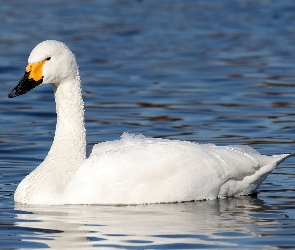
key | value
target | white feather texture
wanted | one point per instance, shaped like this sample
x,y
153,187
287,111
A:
x,y
134,169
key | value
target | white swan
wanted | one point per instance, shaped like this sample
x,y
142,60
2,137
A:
x,y
133,169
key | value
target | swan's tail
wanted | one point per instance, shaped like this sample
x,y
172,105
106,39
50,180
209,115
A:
x,y
249,184
283,157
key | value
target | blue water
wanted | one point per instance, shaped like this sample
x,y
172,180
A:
x,y
208,71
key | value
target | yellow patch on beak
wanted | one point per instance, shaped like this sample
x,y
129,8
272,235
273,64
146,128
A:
x,y
35,70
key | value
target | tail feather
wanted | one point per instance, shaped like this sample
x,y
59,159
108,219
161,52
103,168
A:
x,y
250,184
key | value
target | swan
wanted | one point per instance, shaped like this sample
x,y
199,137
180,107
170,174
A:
x,y
132,170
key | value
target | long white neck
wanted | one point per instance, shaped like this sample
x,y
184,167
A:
x,y
69,145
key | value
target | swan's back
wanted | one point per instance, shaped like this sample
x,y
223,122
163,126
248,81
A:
x,y
136,169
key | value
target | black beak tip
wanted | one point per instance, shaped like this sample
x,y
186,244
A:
x,y
11,95
24,86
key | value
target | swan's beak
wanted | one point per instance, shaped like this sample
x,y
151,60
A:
x,y
32,78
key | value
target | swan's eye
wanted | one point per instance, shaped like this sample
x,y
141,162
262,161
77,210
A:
x,y
48,58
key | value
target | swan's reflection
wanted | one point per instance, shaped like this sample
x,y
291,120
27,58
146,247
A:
x,y
192,224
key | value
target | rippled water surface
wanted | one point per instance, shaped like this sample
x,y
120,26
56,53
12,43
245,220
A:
x,y
208,71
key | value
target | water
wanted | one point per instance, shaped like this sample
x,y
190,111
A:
x,y
208,71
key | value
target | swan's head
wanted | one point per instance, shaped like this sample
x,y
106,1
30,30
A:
x,y
49,62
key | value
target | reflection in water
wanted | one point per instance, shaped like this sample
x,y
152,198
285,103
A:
x,y
195,224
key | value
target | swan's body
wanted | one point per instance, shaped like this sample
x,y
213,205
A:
x,y
132,170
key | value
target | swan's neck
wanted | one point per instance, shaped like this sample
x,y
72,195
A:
x,y
68,150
